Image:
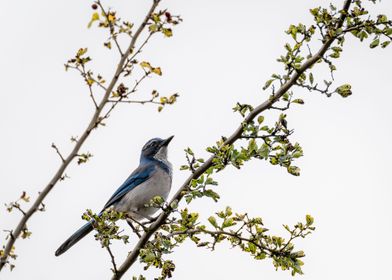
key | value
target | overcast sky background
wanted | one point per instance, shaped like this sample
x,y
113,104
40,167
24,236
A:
x,y
222,53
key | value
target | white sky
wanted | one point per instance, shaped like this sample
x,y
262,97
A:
x,y
222,53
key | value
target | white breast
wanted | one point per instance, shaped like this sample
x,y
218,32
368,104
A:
x,y
134,201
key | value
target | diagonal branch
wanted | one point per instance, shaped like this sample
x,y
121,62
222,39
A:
x,y
112,259
67,160
132,257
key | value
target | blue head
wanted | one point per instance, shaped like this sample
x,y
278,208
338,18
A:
x,y
156,148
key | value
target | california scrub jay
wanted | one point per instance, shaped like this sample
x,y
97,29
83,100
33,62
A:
x,y
152,178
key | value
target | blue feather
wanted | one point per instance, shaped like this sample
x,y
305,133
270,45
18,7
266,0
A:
x,y
74,238
140,175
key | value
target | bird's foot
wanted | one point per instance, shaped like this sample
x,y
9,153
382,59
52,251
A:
x,y
150,220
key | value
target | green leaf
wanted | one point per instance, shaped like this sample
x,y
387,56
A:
x,y
298,101
263,151
189,151
260,119
167,32
213,222
294,170
228,222
184,167
375,43
145,64
309,220
153,28
297,154
267,84
157,70
212,194
362,35
299,254
274,160
252,247
311,78
228,211
188,199
385,44
388,31
155,17
344,90
81,52
149,257
261,256
94,17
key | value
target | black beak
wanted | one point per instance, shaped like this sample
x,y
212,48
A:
x,y
167,141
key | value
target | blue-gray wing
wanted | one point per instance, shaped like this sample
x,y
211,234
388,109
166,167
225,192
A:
x,y
140,175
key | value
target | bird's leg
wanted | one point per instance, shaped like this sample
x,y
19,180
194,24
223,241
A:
x,y
150,220
130,218
135,230
140,215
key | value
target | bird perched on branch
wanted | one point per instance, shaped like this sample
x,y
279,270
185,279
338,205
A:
x,y
152,178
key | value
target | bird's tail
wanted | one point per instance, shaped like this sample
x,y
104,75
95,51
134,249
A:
x,y
74,238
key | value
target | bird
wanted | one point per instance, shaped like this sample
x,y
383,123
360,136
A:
x,y
153,177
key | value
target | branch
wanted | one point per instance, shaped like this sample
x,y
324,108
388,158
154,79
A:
x,y
132,257
121,98
85,76
365,24
136,101
227,233
130,59
112,33
58,152
93,124
113,260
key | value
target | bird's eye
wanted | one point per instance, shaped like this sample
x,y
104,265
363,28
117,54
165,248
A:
x,y
152,144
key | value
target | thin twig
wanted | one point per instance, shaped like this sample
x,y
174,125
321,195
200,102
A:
x,y
113,260
316,88
121,98
151,101
281,108
139,50
86,77
135,231
266,136
58,152
365,24
17,206
92,96
111,28
266,249
92,78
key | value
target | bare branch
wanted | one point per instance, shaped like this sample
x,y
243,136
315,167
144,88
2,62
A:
x,y
135,101
89,84
112,259
139,50
111,28
78,144
58,152
92,78
121,98
325,91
